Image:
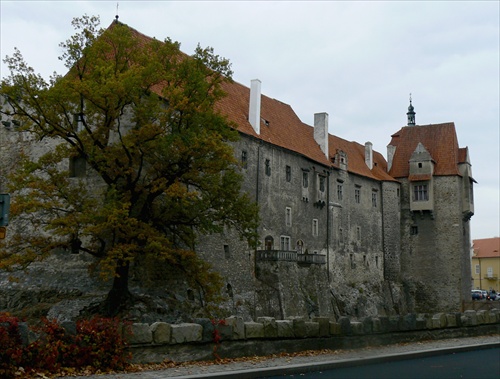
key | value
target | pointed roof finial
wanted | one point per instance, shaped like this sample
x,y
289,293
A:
x,y
411,114
116,17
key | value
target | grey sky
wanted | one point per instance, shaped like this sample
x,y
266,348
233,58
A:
x,y
356,60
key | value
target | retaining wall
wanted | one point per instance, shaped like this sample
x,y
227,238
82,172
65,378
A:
x,y
195,341
160,341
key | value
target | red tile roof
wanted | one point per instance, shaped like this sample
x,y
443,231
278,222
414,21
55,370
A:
x,y
439,140
487,247
283,128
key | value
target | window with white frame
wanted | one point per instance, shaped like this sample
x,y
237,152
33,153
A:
x,y
357,194
285,243
315,227
420,192
478,270
490,272
339,191
288,216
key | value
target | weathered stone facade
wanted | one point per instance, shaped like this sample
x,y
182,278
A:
x,y
341,232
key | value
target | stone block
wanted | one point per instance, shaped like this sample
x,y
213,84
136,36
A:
x,y
324,326
254,330
270,327
451,320
345,325
140,333
312,329
424,321
409,322
469,318
439,321
376,326
238,327
186,332
335,328
483,317
384,324
161,332
207,335
394,323
299,328
367,325
285,328
357,328
494,315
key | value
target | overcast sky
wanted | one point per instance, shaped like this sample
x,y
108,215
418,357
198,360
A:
x,y
358,61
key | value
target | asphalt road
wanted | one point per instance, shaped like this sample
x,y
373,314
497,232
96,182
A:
x,y
478,364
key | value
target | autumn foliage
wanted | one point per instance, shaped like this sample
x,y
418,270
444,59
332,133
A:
x,y
96,345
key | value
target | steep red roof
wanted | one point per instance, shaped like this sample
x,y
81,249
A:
x,y
439,140
283,128
487,247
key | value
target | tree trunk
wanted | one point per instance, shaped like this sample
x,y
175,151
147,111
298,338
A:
x,y
119,295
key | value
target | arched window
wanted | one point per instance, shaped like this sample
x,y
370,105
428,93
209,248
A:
x,y
300,246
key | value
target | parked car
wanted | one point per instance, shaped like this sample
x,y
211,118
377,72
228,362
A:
x,y
492,295
485,294
477,295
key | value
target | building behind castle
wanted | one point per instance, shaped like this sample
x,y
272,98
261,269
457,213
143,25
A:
x,y
343,230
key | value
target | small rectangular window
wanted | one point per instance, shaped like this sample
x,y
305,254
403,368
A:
x,y
490,272
420,192
358,233
77,167
315,228
351,258
244,162
288,173
357,194
478,270
414,230
288,216
339,191
227,253
268,167
322,183
305,179
374,199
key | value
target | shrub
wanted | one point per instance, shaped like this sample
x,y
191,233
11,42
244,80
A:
x,y
11,349
97,344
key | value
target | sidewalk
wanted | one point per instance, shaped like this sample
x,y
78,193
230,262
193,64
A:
x,y
253,367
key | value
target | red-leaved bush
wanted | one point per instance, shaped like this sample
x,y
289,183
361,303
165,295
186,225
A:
x,y
97,344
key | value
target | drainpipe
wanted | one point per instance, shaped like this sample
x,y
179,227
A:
x,y
328,225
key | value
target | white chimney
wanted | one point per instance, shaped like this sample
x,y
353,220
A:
x,y
391,150
321,131
254,111
369,154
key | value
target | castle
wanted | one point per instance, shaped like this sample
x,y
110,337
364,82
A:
x,y
343,230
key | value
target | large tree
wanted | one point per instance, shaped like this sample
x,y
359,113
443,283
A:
x,y
143,162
